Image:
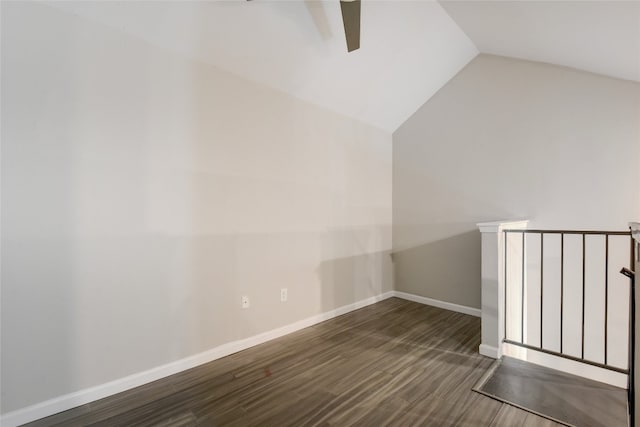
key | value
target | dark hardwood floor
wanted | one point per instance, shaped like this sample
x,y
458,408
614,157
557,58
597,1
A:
x,y
392,363
568,398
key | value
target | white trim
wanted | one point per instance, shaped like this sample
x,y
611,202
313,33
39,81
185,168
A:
x,y
71,400
440,304
489,351
635,230
572,367
496,226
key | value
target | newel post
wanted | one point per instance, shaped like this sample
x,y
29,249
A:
x,y
492,271
634,383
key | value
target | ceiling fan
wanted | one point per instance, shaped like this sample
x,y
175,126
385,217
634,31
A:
x,y
351,20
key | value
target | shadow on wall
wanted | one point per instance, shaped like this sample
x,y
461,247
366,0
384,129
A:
x,y
151,207
446,269
354,278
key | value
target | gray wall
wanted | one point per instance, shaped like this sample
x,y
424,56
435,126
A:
x,y
509,139
143,194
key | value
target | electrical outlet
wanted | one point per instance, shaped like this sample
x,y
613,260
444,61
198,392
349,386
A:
x,y
283,294
245,302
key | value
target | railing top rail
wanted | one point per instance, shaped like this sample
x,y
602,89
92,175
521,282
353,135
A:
x,y
597,232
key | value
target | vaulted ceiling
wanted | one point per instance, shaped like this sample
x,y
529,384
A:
x,y
409,49
598,36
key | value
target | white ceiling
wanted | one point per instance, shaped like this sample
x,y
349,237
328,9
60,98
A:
x,y
598,36
409,49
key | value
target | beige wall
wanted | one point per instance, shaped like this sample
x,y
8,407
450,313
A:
x,y
509,139
143,194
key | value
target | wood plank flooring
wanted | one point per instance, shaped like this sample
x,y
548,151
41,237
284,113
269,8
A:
x,y
395,363
558,395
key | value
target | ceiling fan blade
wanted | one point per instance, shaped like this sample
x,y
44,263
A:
x,y
351,20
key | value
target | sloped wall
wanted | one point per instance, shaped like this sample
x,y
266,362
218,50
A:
x,y
143,194
509,139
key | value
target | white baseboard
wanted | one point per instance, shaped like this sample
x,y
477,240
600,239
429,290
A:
x,y
572,367
440,304
489,351
68,401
